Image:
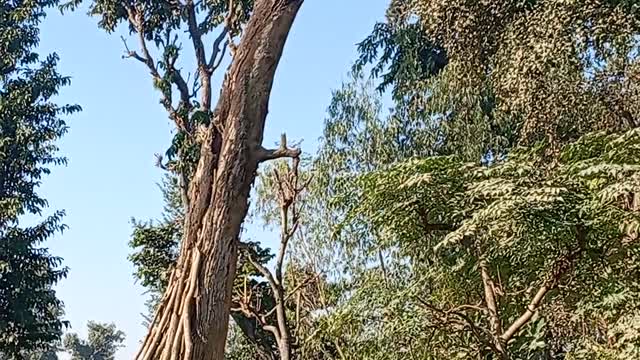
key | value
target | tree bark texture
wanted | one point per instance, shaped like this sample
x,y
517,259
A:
x,y
192,319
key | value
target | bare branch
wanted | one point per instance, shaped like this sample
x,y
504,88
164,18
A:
x,y
198,46
221,57
130,53
532,308
252,256
281,152
194,32
218,51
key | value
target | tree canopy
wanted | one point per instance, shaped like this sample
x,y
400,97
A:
x,y
102,342
30,124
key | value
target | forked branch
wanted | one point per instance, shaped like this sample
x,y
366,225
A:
x,y
281,152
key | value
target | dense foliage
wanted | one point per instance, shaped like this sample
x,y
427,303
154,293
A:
x,y
102,343
504,169
560,243
475,193
30,124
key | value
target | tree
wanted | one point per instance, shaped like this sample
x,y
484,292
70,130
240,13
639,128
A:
x,y
287,187
30,123
453,68
495,249
526,69
155,250
192,319
261,298
102,343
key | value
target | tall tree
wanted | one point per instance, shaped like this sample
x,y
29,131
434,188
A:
x,y
102,343
453,68
155,247
30,123
192,319
526,68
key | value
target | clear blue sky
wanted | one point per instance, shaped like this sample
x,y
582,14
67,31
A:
x,y
111,175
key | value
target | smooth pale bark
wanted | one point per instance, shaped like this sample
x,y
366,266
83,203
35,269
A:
x,y
192,320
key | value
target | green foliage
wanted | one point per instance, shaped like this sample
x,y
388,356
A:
x,y
443,217
162,16
30,123
238,347
157,243
50,354
400,53
423,194
102,343
526,69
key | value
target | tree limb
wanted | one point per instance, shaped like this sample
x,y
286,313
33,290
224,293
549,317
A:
x,y
252,256
218,51
198,46
281,152
559,268
532,308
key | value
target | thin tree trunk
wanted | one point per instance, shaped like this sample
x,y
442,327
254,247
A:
x,y
192,319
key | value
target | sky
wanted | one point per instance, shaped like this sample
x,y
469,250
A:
x,y
111,176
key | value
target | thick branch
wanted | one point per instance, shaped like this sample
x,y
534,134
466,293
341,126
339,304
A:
x,y
195,35
490,297
492,307
281,152
273,330
198,46
532,308
181,84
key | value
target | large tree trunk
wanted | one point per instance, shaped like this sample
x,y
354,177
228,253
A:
x,y
192,320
